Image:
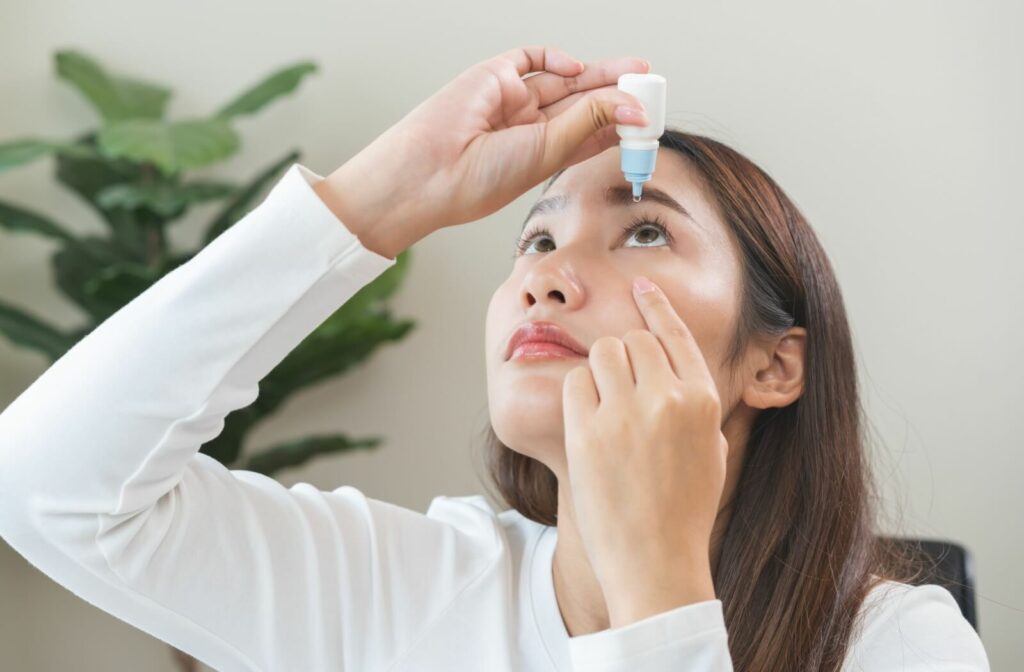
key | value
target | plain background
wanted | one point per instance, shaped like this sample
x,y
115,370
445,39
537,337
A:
x,y
895,126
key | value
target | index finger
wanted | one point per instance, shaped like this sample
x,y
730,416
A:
x,y
551,88
676,338
537,58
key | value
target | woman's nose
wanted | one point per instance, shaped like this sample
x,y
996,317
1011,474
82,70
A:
x,y
552,283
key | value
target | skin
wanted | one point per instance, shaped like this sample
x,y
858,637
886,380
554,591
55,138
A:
x,y
580,277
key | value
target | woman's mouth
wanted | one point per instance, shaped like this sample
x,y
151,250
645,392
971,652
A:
x,y
541,338
542,350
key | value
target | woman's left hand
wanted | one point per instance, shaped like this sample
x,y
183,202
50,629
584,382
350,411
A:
x,y
646,460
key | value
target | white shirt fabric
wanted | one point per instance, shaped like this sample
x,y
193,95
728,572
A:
x,y
103,489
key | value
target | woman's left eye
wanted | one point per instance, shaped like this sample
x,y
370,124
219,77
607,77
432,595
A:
x,y
640,225
644,224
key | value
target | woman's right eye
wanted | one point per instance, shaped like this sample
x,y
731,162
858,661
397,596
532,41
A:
x,y
523,243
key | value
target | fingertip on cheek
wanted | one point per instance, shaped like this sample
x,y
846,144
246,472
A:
x,y
642,284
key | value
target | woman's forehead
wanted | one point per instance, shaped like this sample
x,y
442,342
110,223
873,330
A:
x,y
599,181
591,178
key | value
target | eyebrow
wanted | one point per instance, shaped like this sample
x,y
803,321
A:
x,y
620,195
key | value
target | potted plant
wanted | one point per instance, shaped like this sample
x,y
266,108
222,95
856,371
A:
x,y
131,172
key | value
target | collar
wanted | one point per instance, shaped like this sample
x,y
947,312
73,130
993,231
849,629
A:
x,y
544,604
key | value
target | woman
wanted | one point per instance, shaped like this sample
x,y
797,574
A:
x,y
686,478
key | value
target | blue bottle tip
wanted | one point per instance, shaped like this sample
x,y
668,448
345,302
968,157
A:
x,y
637,167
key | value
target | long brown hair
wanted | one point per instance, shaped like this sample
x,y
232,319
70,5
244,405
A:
x,y
797,558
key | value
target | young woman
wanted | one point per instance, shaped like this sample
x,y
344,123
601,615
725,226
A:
x,y
685,471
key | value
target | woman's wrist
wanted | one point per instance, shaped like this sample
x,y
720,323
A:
x,y
370,209
658,590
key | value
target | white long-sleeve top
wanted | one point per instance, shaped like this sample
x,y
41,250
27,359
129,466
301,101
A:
x,y
103,489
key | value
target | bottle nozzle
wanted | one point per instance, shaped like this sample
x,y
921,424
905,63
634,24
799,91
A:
x,y
638,145
638,167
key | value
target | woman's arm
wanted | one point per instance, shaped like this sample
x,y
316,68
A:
x,y
101,483
103,489
688,638
902,628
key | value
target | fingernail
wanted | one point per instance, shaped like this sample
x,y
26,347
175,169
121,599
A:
x,y
642,285
625,113
647,64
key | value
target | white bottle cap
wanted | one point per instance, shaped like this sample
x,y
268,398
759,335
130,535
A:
x,y
638,145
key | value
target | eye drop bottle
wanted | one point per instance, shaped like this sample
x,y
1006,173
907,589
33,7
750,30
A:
x,y
638,145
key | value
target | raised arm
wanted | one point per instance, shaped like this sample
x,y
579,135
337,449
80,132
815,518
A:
x,y
103,489
102,486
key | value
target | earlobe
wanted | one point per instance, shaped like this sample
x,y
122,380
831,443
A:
x,y
780,382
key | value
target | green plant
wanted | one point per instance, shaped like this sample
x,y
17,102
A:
x,y
130,171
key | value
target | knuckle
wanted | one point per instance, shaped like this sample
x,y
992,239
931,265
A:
x,y
510,55
598,114
572,84
605,347
674,397
639,337
705,401
604,343
572,376
677,331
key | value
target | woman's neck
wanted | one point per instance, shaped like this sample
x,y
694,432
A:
x,y
580,599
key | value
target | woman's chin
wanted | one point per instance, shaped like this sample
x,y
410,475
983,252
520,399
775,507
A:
x,y
534,408
533,437
541,385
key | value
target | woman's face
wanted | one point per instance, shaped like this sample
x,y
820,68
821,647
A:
x,y
580,277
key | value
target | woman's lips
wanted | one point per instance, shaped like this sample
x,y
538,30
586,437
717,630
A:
x,y
542,350
547,333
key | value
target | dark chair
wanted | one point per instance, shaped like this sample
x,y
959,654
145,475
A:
x,y
950,565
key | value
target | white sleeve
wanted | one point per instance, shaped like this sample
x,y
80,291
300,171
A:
x,y
103,489
907,629
690,638
913,629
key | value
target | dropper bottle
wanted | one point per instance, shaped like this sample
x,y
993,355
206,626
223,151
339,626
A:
x,y
638,145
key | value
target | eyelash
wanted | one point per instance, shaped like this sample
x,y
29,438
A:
x,y
637,224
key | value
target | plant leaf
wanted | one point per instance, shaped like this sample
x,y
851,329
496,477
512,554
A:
x,y
87,172
142,99
243,201
28,331
319,357
164,198
115,285
75,266
172,146
294,453
278,84
15,218
87,176
23,151
18,152
115,98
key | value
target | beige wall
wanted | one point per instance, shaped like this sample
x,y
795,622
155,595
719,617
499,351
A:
x,y
896,126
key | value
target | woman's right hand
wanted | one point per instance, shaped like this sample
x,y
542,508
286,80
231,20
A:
x,y
479,143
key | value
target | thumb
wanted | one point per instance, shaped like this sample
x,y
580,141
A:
x,y
583,129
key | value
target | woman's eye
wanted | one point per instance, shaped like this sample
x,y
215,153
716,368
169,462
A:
x,y
645,230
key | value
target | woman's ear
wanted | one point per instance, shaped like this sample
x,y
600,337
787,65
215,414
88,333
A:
x,y
778,379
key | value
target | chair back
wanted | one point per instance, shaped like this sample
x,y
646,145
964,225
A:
x,y
950,565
